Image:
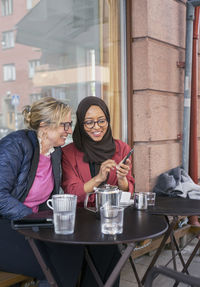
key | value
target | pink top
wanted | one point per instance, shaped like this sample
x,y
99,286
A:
x,y
43,184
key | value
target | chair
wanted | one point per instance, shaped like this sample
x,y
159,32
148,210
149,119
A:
x,y
8,279
177,276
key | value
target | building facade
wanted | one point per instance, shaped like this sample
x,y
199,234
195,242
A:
x,y
127,52
158,46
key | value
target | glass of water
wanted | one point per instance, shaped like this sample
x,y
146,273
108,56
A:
x,y
64,212
112,218
151,198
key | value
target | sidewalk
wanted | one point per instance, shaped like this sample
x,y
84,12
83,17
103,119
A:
x,y
128,278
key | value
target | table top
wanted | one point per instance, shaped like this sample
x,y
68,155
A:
x,y
138,225
175,206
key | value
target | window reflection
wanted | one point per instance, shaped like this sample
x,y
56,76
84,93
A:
x,y
68,49
9,72
7,40
6,7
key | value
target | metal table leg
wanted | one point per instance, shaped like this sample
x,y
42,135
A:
x,y
179,254
159,250
135,272
189,260
173,247
116,271
42,263
191,256
93,268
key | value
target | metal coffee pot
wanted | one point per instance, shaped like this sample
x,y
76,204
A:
x,y
104,195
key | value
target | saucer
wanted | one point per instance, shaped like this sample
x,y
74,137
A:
x,y
125,204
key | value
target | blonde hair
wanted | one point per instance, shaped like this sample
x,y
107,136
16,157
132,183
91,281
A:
x,y
48,110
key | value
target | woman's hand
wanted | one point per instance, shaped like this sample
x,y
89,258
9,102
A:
x,y
122,171
105,168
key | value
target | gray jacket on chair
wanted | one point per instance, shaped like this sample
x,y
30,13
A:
x,y
176,182
19,157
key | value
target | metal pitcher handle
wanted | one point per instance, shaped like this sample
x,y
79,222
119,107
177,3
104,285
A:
x,y
86,202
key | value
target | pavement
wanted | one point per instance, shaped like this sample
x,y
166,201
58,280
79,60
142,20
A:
x,y
127,278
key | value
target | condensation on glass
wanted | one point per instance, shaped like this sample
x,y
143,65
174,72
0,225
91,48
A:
x,y
68,49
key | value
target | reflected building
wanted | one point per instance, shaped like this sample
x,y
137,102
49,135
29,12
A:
x,y
18,64
128,52
57,48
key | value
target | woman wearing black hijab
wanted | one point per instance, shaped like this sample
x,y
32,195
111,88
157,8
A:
x,y
95,158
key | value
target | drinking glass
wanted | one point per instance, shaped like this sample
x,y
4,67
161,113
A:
x,y
112,218
151,198
64,212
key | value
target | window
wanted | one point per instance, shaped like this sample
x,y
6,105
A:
x,y
29,4
8,40
9,73
65,49
35,97
32,66
6,7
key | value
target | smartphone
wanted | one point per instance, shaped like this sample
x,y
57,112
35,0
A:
x,y
128,155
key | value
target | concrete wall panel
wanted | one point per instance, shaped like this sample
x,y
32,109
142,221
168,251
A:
x,y
158,31
152,160
157,117
155,67
141,166
160,19
140,65
168,27
164,157
139,18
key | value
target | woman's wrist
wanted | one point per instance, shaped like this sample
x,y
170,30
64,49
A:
x,y
123,184
97,180
94,182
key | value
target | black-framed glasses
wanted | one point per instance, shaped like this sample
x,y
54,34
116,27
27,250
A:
x,y
66,125
90,123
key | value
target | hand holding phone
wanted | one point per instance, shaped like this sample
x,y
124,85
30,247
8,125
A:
x,y
128,155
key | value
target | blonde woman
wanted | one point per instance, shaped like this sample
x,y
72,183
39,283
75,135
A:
x,y
29,175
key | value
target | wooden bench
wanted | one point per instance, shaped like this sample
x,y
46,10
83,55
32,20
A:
x,y
9,279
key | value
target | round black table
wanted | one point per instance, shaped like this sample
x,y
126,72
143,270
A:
x,y
138,225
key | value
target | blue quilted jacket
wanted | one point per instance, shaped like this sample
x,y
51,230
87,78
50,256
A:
x,y
19,157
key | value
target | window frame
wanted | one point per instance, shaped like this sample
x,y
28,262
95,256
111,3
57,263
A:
x,y
29,4
9,41
12,72
31,70
6,7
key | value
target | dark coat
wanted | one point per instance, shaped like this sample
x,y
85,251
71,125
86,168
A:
x,y
19,157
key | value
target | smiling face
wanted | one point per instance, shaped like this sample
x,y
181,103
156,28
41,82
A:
x,y
55,136
95,113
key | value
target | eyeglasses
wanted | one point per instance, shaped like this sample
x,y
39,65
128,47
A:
x,y
66,125
90,123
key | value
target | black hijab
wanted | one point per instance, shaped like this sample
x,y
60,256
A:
x,y
94,152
